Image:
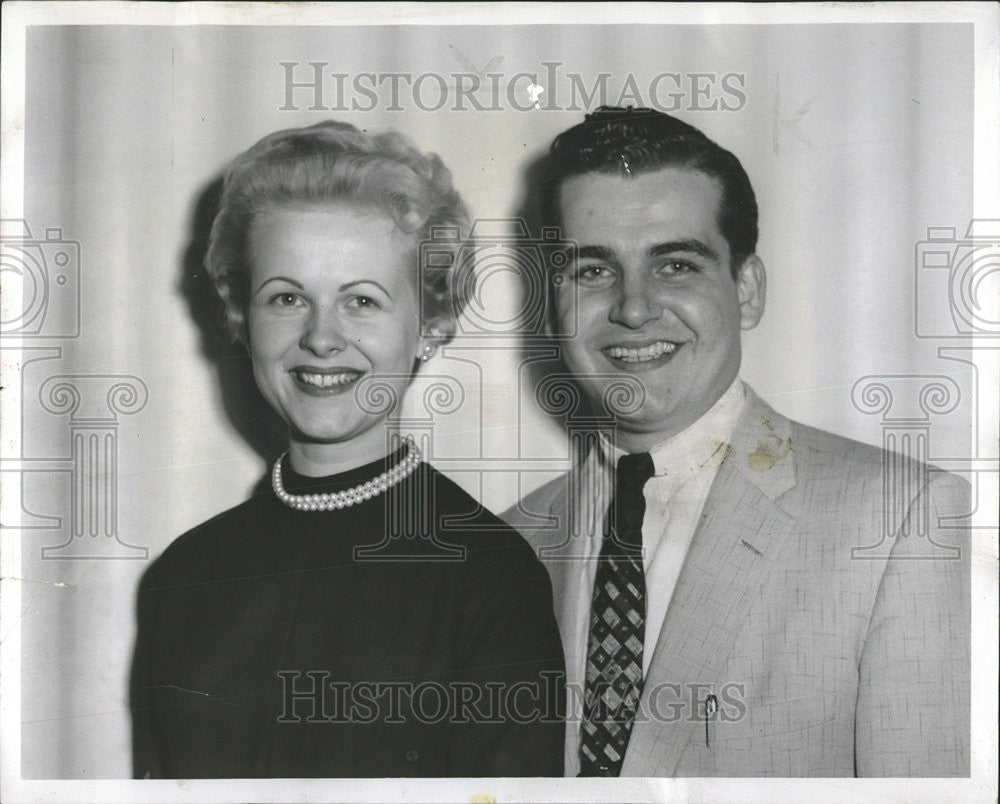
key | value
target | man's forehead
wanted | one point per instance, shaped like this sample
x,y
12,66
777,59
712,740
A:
x,y
671,202
668,181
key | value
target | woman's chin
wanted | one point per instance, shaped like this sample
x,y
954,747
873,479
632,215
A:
x,y
335,436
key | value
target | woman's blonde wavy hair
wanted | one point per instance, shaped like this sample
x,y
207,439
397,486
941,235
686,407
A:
x,y
330,163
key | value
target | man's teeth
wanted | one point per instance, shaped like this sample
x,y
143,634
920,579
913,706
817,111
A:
x,y
327,380
650,352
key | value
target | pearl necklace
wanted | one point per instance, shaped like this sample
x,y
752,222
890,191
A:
x,y
348,497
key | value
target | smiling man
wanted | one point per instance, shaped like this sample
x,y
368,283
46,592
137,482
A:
x,y
660,295
717,617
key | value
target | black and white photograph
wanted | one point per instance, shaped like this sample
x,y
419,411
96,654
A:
x,y
499,402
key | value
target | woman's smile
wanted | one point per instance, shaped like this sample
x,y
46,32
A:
x,y
325,381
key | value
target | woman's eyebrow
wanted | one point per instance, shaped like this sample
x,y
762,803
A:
x,y
277,279
349,285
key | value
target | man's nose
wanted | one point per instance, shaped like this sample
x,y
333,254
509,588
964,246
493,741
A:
x,y
636,304
322,333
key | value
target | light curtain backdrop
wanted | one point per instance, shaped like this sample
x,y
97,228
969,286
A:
x,y
857,138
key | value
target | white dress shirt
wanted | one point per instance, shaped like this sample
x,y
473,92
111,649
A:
x,y
684,468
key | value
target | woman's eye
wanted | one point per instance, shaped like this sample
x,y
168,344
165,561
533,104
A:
x,y
364,303
285,299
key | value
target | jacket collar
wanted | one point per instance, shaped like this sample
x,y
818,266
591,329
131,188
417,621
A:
x,y
761,448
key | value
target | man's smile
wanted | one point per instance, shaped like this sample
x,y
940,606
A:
x,y
659,351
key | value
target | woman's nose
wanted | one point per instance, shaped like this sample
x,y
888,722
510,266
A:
x,y
636,305
322,334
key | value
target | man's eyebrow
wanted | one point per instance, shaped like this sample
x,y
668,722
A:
x,y
693,246
596,253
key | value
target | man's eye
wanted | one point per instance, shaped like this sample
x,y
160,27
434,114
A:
x,y
594,274
678,267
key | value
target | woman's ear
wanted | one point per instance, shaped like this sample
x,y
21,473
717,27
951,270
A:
x,y
434,335
439,331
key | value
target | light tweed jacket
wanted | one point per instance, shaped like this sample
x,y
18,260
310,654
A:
x,y
824,603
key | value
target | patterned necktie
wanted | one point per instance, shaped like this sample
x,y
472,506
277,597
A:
x,y
617,624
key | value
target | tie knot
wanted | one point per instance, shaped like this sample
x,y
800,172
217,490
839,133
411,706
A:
x,y
635,469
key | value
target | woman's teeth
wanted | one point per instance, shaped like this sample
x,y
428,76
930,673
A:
x,y
327,380
642,355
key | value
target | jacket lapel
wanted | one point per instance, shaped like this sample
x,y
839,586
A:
x,y
559,549
742,531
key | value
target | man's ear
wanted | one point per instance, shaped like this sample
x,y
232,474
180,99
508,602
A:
x,y
751,289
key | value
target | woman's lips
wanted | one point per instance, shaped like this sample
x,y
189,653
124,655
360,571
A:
x,y
325,382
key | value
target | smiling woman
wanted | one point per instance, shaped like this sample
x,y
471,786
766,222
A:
x,y
333,303
299,633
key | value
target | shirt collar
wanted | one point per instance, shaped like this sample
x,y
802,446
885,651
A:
x,y
700,444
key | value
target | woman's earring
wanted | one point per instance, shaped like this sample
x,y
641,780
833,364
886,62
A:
x,y
428,353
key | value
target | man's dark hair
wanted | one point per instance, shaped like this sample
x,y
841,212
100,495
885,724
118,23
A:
x,y
631,141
